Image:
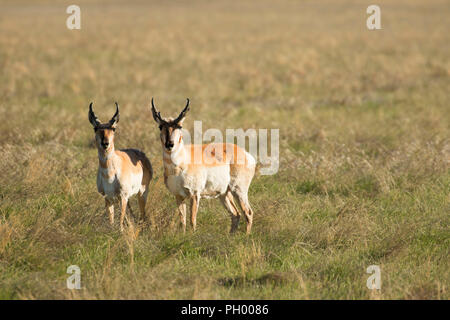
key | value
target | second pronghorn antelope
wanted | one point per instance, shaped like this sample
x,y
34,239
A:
x,y
205,171
121,173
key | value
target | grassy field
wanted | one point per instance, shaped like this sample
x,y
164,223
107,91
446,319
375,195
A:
x,y
364,125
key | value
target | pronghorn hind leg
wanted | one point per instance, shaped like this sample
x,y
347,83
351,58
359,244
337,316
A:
x,y
229,204
195,201
110,210
245,206
182,212
142,199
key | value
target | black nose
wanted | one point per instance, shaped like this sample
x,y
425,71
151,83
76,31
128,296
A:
x,y
105,144
169,145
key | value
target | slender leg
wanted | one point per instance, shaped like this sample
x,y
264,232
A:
x,y
245,205
110,210
182,212
195,201
229,204
142,199
123,209
131,210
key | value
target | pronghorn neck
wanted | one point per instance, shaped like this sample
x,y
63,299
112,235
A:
x,y
106,158
177,156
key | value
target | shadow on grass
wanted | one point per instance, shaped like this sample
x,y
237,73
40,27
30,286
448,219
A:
x,y
271,278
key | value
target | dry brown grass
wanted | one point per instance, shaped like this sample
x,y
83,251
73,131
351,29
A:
x,y
364,142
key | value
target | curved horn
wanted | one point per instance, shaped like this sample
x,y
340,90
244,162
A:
x,y
92,117
183,113
115,117
156,113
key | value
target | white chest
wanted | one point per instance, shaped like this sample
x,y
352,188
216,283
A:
x,y
108,183
176,185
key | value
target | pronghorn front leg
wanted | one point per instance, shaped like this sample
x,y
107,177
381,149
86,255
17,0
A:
x,y
123,209
195,200
110,210
182,211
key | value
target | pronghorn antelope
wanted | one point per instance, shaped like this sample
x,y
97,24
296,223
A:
x,y
218,172
121,173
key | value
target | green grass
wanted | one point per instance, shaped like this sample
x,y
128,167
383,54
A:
x,y
364,173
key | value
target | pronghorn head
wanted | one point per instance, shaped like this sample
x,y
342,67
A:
x,y
170,128
104,132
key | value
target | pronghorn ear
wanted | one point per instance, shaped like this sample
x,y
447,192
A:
x,y
179,120
115,119
156,114
92,117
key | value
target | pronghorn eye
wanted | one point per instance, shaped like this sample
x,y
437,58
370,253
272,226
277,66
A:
x,y
160,127
113,129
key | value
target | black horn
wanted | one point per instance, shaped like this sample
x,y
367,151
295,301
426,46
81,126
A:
x,y
115,119
92,117
156,113
183,113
